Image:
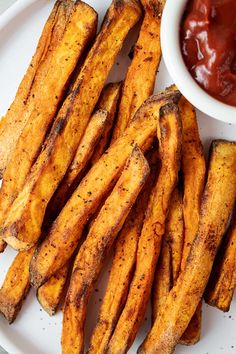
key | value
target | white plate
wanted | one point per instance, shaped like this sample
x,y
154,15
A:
x,y
34,332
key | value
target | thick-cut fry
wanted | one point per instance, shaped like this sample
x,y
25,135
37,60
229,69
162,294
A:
x,y
169,135
16,285
23,224
48,91
50,294
175,232
193,331
168,267
222,283
122,265
194,170
90,258
64,234
2,246
163,279
98,128
13,123
108,101
83,154
183,299
141,74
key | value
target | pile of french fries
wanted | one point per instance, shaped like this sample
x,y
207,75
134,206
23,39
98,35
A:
x,y
113,164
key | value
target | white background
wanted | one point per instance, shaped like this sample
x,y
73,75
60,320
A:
x,y
4,4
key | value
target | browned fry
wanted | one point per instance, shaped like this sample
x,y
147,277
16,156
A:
x,y
175,232
16,285
122,265
183,299
90,258
163,279
17,115
83,154
50,294
93,143
99,127
168,267
66,231
169,135
48,91
194,170
220,289
22,226
108,101
141,74
13,123
2,246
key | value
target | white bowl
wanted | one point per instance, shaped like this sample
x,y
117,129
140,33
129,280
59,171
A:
x,y
170,42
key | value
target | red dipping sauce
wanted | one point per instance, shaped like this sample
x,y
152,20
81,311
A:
x,y
208,43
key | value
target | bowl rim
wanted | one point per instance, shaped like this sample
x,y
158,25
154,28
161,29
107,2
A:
x,y
170,45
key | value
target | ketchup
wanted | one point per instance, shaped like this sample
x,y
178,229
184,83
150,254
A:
x,y
208,43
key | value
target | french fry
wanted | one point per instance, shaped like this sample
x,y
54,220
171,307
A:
x,y
220,289
16,285
122,265
194,171
141,74
67,228
168,267
175,232
2,246
13,123
108,101
16,117
90,258
163,279
47,93
23,224
83,154
98,129
50,294
169,135
183,299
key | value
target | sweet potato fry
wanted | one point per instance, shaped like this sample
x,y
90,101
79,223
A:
x,y
163,279
169,135
168,267
50,294
16,285
122,265
2,246
183,299
13,123
194,171
220,289
80,29
83,154
100,127
67,228
108,101
141,74
90,258
175,232
23,224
